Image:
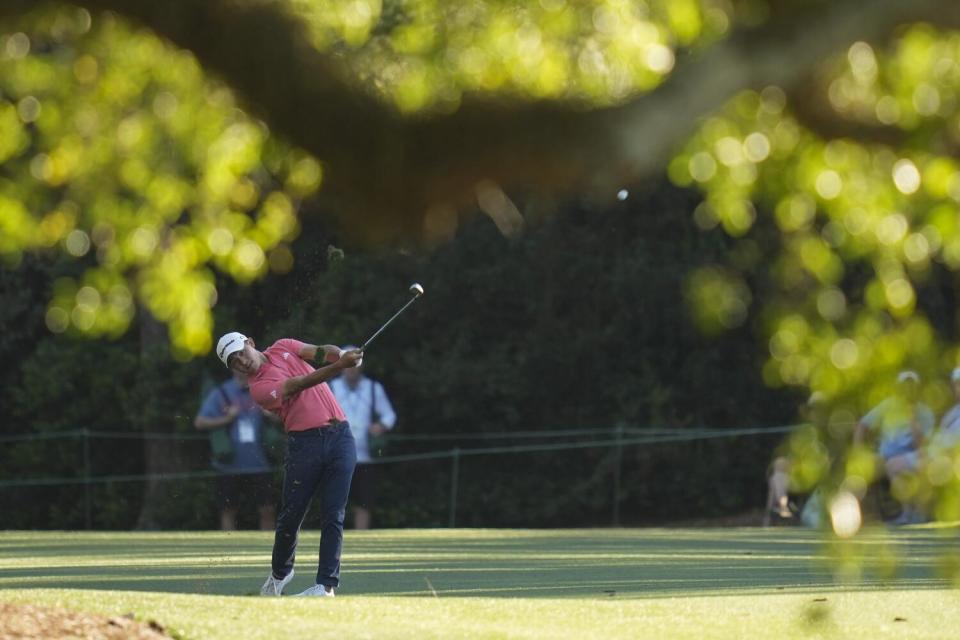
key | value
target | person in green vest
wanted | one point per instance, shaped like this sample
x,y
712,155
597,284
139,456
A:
x,y
241,460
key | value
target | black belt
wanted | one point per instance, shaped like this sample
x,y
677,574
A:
x,y
318,431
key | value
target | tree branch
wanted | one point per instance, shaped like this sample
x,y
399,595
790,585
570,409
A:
x,y
811,107
384,172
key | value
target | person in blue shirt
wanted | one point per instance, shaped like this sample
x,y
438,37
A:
x,y
903,424
246,471
947,436
370,415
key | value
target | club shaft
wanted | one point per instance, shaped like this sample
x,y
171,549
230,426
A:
x,y
385,324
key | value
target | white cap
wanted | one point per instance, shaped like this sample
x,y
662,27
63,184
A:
x,y
955,375
230,343
903,376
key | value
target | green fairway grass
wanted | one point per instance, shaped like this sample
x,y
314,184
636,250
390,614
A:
x,y
610,583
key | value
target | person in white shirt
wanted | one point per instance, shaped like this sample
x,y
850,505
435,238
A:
x,y
370,415
947,435
903,425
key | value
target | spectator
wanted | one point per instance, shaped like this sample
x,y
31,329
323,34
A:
x,y
779,505
370,415
947,435
778,492
244,469
902,423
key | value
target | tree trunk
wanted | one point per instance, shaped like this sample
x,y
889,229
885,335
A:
x,y
160,456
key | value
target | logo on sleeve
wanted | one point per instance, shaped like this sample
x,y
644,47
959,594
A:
x,y
285,355
273,393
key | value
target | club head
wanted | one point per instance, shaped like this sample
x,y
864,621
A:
x,y
416,289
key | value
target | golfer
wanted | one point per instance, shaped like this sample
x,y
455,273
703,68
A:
x,y
321,452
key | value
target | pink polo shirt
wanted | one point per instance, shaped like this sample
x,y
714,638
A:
x,y
311,408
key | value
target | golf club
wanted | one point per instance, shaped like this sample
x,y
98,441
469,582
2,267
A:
x,y
417,291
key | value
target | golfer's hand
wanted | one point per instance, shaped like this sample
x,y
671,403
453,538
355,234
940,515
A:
x,y
231,411
377,429
350,359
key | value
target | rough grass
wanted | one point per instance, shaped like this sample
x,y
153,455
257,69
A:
x,y
619,583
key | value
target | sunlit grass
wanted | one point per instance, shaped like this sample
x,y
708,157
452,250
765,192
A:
x,y
618,583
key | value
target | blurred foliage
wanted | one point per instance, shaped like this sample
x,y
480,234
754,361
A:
x,y
842,203
117,151
868,220
426,54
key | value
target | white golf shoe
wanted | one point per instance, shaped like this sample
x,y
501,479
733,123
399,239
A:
x,y
317,590
274,587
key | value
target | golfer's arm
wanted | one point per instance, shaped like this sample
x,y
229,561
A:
x,y
293,386
309,352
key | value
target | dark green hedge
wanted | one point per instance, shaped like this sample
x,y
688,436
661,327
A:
x,y
579,323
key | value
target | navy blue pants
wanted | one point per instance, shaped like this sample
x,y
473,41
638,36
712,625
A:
x,y
318,460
